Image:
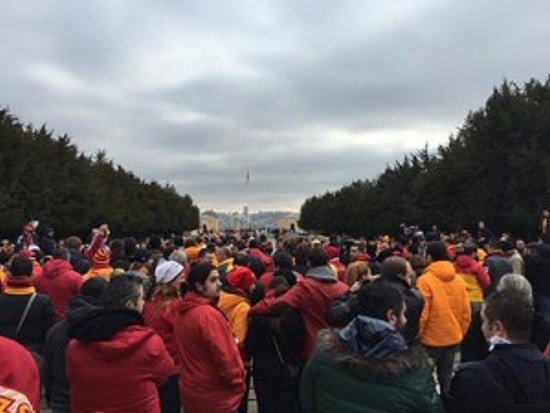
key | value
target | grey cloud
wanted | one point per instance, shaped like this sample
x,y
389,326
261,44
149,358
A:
x,y
197,93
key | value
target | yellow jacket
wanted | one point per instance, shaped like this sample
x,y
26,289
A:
x,y
236,308
446,314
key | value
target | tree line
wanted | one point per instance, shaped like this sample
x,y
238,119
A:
x,y
46,178
496,168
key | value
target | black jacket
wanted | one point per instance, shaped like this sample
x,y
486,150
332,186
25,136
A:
x,y
537,269
55,347
39,319
345,308
514,378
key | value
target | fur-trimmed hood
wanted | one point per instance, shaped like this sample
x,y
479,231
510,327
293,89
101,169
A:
x,y
397,358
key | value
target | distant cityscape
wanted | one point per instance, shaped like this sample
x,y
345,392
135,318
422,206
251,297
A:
x,y
219,221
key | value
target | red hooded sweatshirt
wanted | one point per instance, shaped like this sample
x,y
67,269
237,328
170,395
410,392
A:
x,y
120,374
59,282
212,372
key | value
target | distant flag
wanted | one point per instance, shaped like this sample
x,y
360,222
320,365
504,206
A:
x,y
247,176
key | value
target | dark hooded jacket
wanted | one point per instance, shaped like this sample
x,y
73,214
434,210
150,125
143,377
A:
x,y
537,269
115,364
55,348
368,367
346,307
514,378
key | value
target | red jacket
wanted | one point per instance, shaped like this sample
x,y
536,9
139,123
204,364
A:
x,y
158,314
465,264
120,374
59,282
212,372
18,370
312,298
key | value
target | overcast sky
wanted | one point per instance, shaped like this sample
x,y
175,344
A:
x,y
307,96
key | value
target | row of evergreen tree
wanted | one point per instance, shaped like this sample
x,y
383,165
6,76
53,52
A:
x,y
47,179
495,169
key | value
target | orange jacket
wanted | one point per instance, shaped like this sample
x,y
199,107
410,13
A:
x,y
446,314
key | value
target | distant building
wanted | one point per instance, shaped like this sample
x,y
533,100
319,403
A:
x,y
209,222
287,223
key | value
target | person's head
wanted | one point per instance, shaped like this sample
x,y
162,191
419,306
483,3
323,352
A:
x,y
61,253
73,243
126,290
507,314
169,273
357,271
204,279
179,256
242,279
117,248
102,257
384,301
317,257
20,266
94,287
353,252
396,267
517,283
206,255
436,251
282,260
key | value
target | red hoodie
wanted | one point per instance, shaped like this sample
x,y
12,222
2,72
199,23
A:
x,y
18,371
120,374
59,282
212,372
465,264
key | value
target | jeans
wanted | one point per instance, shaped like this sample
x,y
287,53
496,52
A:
x,y
443,358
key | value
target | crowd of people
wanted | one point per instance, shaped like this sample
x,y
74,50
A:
x,y
428,322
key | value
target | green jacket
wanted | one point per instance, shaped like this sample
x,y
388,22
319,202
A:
x,y
367,376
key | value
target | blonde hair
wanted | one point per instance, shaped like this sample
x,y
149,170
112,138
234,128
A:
x,y
356,271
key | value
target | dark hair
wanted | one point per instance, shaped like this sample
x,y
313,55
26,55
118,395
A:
x,y
199,274
122,288
130,246
241,258
61,254
375,299
94,287
393,267
20,266
282,260
73,243
287,274
514,310
317,257
437,250
301,254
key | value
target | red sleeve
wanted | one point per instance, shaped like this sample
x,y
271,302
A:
x,y
18,371
547,351
162,366
482,277
263,306
97,242
219,340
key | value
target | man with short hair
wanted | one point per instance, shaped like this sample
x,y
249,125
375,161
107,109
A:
x,y
115,364
515,377
368,366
